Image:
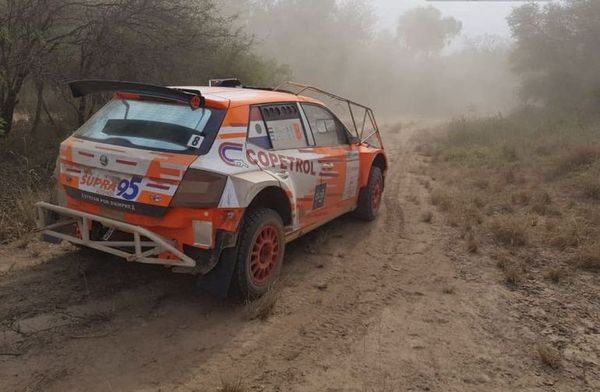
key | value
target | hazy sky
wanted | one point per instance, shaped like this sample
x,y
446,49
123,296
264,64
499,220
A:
x,y
478,17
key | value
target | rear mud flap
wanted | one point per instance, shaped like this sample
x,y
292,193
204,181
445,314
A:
x,y
218,281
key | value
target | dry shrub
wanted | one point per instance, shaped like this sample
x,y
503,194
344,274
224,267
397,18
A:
x,y
541,204
472,243
513,274
549,356
18,216
510,230
589,258
478,202
555,274
575,159
570,233
590,189
513,271
441,199
448,290
262,308
413,199
481,183
520,198
232,386
427,216
566,239
509,176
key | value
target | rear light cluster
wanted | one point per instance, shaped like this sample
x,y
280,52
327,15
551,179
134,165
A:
x,y
199,189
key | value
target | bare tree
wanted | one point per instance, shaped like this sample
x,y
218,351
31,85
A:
x,y
29,31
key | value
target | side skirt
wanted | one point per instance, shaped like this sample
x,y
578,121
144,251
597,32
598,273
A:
x,y
300,232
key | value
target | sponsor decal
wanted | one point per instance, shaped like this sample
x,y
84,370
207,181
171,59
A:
x,y
117,204
127,189
231,154
284,162
319,197
100,183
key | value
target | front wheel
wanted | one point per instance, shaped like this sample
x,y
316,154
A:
x,y
260,252
369,199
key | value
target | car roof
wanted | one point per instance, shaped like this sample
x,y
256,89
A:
x,y
245,96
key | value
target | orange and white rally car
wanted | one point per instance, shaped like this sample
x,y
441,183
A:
x,y
213,180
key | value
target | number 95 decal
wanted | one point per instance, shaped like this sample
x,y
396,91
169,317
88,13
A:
x,y
129,189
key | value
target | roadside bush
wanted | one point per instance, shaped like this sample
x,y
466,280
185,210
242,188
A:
x,y
574,159
510,230
590,257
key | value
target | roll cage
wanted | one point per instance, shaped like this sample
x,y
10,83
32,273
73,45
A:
x,y
357,117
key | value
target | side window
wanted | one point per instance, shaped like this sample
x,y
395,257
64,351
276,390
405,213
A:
x,y
326,129
257,130
284,126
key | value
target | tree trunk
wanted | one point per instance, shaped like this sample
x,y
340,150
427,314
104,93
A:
x,y
7,111
39,88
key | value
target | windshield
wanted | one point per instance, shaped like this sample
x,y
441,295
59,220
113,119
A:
x,y
153,126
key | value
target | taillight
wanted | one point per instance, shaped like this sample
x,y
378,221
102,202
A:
x,y
199,189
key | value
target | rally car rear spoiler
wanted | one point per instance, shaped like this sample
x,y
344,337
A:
x,y
81,88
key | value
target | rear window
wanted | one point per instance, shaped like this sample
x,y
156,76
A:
x,y
154,126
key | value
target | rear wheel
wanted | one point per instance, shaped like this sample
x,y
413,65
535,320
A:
x,y
369,199
260,253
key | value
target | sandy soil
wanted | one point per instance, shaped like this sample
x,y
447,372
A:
x,y
395,305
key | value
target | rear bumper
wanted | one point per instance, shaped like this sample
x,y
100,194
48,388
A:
x,y
145,247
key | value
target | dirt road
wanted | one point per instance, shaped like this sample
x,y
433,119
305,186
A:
x,y
395,305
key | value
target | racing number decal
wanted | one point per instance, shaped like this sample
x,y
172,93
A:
x,y
195,141
129,189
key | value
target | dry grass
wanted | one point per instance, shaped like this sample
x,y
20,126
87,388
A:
x,y
574,159
549,356
590,189
589,258
513,274
472,245
26,173
556,274
510,230
413,199
441,199
262,308
232,386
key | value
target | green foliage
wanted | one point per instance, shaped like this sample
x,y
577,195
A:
x,y
2,124
557,53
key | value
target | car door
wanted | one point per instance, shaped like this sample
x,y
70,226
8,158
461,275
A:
x,y
338,163
278,143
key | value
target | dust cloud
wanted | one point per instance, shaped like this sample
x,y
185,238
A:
x,y
422,67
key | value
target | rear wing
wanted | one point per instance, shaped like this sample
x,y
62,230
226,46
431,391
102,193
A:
x,y
81,88
355,116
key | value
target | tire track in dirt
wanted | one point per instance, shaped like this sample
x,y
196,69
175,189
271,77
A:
x,y
368,307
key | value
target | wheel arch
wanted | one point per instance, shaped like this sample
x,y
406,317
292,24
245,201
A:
x,y
275,198
371,159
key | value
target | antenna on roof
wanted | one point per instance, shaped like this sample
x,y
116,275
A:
x,y
228,82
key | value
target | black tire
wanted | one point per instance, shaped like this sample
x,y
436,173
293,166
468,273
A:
x,y
255,272
369,198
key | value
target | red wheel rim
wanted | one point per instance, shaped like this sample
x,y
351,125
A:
x,y
264,255
376,194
